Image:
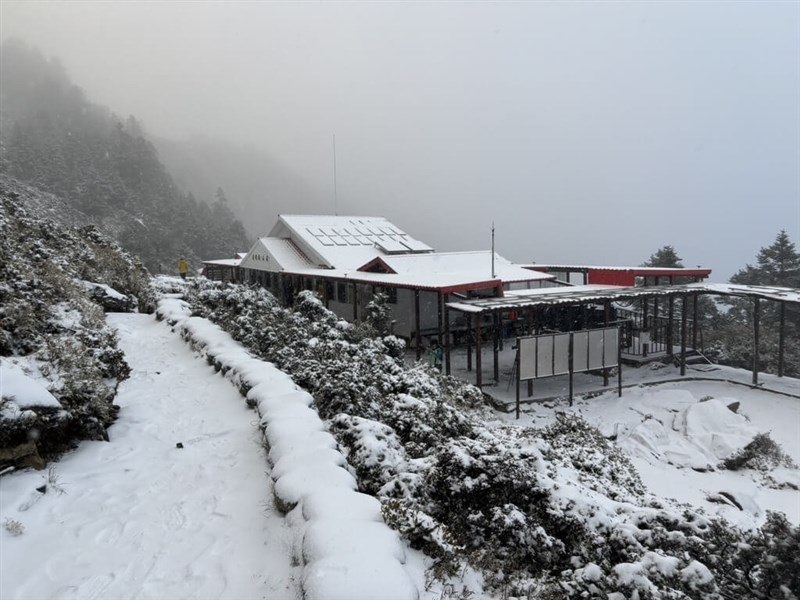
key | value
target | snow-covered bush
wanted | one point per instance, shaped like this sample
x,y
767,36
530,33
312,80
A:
x,y
49,322
762,454
599,463
558,512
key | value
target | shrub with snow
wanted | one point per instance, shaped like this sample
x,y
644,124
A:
x,y
49,322
552,513
762,454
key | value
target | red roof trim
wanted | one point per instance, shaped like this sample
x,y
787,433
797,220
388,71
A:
x,y
377,262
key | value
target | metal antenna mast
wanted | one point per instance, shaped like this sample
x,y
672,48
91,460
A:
x,y
493,274
335,196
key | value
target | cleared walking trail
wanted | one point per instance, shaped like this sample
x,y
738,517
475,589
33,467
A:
x,y
141,518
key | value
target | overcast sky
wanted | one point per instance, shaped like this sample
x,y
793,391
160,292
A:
x,y
590,133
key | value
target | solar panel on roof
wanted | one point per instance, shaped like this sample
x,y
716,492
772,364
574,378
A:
x,y
416,245
391,246
325,240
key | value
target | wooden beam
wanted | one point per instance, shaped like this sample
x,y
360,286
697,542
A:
x,y
496,349
655,300
446,339
478,366
756,332
670,319
781,338
440,315
684,315
355,302
416,322
469,342
606,319
695,322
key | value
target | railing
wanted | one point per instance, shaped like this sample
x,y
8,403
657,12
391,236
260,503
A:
x,y
640,338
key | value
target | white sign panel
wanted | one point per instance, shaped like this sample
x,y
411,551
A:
x,y
561,352
611,342
527,358
544,356
596,358
548,355
580,351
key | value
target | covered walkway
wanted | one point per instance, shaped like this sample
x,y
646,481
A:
x,y
527,309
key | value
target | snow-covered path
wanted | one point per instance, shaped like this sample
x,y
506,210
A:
x,y
142,518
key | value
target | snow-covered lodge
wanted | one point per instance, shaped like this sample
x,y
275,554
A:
x,y
348,259
480,296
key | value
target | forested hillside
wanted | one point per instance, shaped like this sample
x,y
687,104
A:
x,y
54,138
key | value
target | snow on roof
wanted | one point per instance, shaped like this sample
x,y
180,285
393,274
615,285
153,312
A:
x,y
475,265
224,262
288,255
759,291
675,270
433,271
538,292
347,242
600,293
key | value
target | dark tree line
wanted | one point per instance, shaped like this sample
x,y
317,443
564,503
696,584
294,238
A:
x,y
728,323
104,166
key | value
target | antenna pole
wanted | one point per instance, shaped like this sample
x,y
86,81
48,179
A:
x,y
335,196
493,275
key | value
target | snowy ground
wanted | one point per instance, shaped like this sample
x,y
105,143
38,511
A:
x,y
674,440
141,518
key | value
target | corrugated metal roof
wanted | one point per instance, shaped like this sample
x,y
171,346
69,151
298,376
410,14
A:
x,y
677,271
577,294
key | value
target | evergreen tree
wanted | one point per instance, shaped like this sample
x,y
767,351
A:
x,y
665,257
730,342
777,265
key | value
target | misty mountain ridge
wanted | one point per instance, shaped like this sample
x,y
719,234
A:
x,y
256,185
105,169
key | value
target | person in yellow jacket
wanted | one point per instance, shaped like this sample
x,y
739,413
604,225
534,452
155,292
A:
x,y
183,267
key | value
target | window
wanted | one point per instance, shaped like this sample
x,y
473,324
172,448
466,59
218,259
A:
x,y
341,292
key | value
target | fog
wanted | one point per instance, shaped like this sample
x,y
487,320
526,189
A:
x,y
589,133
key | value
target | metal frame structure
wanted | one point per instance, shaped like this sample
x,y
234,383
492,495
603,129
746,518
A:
x,y
530,303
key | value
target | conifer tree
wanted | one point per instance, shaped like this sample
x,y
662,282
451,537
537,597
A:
x,y
665,257
777,265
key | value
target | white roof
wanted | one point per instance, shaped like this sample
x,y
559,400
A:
x,y
343,242
224,262
287,254
432,271
336,247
